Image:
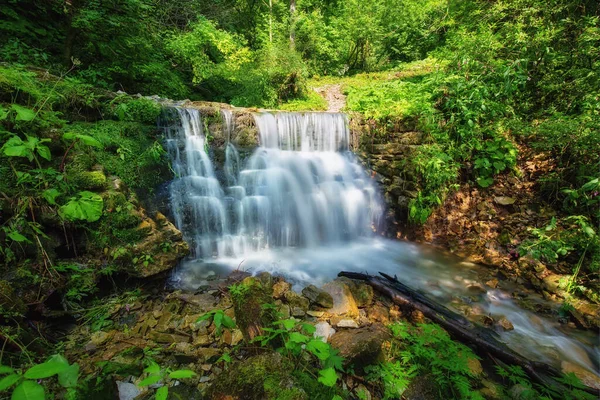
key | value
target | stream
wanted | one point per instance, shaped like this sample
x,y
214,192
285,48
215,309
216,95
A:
x,y
302,206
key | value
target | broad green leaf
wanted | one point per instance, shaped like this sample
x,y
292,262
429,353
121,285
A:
x,y
6,369
287,323
318,348
44,152
297,337
15,147
181,374
228,322
68,378
46,369
3,113
162,393
328,377
28,390
86,207
153,368
151,380
23,113
309,329
8,381
86,139
50,195
17,237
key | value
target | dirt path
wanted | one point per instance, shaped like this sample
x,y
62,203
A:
x,y
334,96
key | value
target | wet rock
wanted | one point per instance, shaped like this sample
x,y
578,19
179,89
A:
x,y
127,391
284,310
493,283
316,314
587,378
476,288
360,347
343,301
318,296
233,337
200,303
362,293
266,279
324,331
506,324
294,300
347,323
280,289
298,312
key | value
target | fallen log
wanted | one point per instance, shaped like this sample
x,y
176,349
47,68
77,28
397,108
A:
x,y
485,340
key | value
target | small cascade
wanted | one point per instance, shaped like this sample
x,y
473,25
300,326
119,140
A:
x,y
301,188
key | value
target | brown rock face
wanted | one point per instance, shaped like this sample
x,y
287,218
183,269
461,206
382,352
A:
x,y
158,232
343,301
360,347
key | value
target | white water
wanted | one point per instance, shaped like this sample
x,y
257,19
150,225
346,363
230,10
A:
x,y
301,206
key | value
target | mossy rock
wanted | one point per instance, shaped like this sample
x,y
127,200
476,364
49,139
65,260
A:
x,y
249,300
263,377
89,180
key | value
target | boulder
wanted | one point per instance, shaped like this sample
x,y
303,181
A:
x,y
360,347
324,331
280,289
294,300
343,300
362,293
318,296
588,378
263,377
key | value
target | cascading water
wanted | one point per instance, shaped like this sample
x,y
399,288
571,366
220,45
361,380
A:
x,y
301,188
303,207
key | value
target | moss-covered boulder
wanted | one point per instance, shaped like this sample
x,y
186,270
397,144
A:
x,y
263,377
250,303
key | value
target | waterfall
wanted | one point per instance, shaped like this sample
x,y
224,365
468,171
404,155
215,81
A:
x,y
301,187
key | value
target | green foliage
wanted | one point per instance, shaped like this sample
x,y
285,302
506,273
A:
x,y
425,349
571,238
87,206
27,385
297,341
156,374
220,319
140,110
514,375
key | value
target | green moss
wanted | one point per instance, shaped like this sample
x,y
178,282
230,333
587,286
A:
x,y
249,300
130,151
89,180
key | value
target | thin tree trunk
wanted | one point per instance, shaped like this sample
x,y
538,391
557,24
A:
x,y
292,24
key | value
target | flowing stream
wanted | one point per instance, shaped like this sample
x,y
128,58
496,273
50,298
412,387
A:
x,y
302,206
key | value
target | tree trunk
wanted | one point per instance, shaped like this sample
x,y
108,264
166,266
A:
x,y
292,24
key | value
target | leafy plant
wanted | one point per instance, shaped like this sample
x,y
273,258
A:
x,y
30,148
297,338
86,206
27,383
220,319
157,374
